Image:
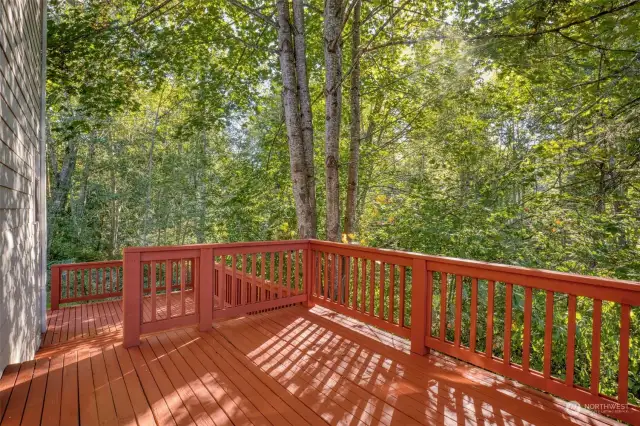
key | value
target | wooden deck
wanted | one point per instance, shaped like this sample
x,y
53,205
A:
x,y
285,367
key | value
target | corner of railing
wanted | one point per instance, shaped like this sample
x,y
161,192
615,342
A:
x,y
131,298
419,306
205,282
55,287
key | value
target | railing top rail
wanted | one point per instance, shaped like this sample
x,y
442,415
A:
x,y
88,264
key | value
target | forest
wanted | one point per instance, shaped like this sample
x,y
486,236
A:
x,y
503,131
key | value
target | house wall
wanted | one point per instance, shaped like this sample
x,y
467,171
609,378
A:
x,y
21,179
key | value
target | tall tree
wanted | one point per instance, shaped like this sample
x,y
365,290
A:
x,y
354,129
301,176
306,115
333,12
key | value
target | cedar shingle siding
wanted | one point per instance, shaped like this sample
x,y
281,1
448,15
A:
x,y
20,255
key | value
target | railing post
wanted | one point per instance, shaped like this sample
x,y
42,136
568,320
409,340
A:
x,y
309,272
206,289
419,307
55,287
131,299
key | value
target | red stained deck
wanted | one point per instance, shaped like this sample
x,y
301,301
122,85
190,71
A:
x,y
288,366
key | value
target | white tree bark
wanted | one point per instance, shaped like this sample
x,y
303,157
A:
x,y
304,98
356,118
333,111
298,161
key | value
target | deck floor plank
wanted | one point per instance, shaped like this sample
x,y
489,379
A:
x,y
53,395
69,414
122,403
18,400
87,395
291,366
33,408
7,384
104,399
139,402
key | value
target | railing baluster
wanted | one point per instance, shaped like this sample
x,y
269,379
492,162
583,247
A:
x,y
296,272
473,315
347,281
392,279
507,323
153,291
244,297
381,301
372,286
363,285
623,369
168,283
332,276
263,267
354,295
403,277
280,273
548,334
429,296
234,280
222,282
571,340
490,290
339,260
272,273
595,348
443,306
526,338
255,291
325,275
458,318
289,272
183,286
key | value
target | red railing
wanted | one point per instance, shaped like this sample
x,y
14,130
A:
x,y
257,277
454,309
209,282
519,322
77,282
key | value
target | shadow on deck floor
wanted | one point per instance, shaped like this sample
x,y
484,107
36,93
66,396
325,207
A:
x,y
284,367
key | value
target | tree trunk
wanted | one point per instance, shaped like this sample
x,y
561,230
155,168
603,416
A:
x,y
115,209
306,117
61,188
82,197
354,146
201,186
147,204
333,112
299,171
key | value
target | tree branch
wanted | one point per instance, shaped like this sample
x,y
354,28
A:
x,y
561,27
255,12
